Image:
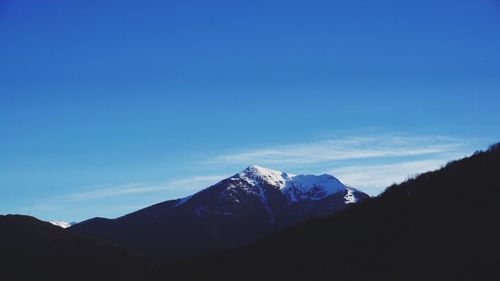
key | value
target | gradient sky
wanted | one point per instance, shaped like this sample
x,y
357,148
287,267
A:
x,y
109,106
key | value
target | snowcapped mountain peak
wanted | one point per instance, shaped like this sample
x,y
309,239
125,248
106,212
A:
x,y
261,171
255,174
62,224
267,184
295,187
239,209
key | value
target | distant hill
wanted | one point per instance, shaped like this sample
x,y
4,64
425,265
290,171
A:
x,y
442,225
236,211
31,249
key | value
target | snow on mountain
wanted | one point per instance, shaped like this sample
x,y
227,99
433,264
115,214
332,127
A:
x,y
295,187
62,224
312,187
256,180
232,212
255,175
350,198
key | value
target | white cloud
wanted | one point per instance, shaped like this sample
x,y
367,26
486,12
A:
x,y
326,151
191,183
114,191
373,179
392,159
339,149
123,202
196,181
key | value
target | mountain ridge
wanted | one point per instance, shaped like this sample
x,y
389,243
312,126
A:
x,y
431,227
32,249
235,211
440,225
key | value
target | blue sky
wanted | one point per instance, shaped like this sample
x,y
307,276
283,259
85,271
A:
x,y
109,106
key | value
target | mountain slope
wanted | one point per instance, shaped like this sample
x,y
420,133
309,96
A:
x,y
31,249
234,212
442,225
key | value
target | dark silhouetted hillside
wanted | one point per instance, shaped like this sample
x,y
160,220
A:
x,y
31,249
442,225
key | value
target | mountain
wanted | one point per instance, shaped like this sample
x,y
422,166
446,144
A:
x,y
31,249
441,225
236,211
62,224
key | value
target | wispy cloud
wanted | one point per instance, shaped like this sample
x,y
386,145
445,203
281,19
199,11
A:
x,y
190,183
374,178
326,151
114,191
187,183
196,181
370,163
340,149
124,197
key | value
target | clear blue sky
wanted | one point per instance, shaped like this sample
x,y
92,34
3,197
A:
x,y
109,106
